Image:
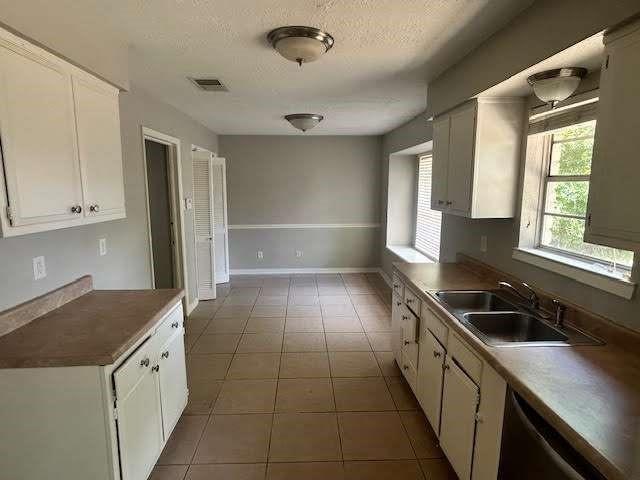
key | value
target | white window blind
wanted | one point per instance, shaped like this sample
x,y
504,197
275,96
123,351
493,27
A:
x,y
428,221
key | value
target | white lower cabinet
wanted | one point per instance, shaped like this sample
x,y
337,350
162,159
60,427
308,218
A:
x,y
103,422
430,378
396,327
460,399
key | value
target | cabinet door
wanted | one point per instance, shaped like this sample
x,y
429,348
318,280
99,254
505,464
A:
x,y
613,213
139,417
396,328
461,159
430,378
38,140
460,398
99,146
173,382
440,163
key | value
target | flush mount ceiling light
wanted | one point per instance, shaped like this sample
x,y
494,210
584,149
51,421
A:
x,y
553,86
300,44
304,121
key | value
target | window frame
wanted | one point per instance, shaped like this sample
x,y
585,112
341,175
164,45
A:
x,y
419,158
546,179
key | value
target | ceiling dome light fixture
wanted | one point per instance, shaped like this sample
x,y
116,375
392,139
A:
x,y
304,121
553,86
300,44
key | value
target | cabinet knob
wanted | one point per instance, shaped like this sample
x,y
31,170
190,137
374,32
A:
x,y
95,208
440,202
165,354
446,367
449,202
407,342
175,325
398,303
404,317
155,368
409,300
77,209
144,363
437,354
405,367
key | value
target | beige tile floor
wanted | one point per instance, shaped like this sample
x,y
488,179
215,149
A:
x,y
291,377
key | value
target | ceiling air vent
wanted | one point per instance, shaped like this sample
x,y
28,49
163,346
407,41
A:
x,y
209,84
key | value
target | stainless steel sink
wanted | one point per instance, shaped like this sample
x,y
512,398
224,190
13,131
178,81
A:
x,y
476,301
504,323
512,327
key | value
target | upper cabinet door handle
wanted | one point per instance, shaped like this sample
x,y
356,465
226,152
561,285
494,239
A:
x,y
94,208
77,209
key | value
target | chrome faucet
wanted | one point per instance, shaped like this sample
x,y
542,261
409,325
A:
x,y
533,299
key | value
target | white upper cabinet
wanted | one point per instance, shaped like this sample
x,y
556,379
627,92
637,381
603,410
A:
x,y
98,125
60,140
476,158
38,140
613,216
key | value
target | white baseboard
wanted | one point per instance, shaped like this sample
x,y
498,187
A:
x,y
289,271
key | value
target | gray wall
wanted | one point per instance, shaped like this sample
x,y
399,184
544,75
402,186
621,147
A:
x,y
73,252
303,180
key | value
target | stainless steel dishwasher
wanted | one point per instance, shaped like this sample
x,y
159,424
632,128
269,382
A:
x,y
533,449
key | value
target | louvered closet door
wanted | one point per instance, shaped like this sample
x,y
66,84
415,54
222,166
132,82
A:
x,y
221,235
204,224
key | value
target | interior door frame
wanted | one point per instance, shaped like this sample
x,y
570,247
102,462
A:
x,y
174,165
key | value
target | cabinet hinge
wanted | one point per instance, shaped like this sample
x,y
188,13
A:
x,y
589,220
606,62
115,413
9,215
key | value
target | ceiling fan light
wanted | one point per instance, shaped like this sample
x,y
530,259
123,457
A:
x,y
554,86
304,121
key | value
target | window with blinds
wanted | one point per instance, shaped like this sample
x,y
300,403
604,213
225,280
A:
x,y
428,221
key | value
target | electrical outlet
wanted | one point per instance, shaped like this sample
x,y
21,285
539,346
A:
x,y
102,246
260,255
39,268
299,253
483,243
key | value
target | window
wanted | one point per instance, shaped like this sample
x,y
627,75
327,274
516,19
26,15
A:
x,y
428,222
567,166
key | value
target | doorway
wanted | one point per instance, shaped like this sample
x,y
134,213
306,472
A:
x,y
160,214
165,218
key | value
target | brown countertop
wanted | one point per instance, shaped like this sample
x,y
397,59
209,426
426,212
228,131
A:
x,y
590,394
93,329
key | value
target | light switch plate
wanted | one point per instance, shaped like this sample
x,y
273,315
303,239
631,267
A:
x,y
102,243
260,255
188,203
39,268
299,253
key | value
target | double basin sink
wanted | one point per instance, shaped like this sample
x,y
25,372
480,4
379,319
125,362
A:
x,y
500,322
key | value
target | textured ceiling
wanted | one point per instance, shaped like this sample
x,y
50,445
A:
x,y
373,79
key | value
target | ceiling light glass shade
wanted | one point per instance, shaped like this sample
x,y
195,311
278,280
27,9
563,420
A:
x,y
553,86
304,121
300,44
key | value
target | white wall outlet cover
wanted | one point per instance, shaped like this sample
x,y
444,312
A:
x,y
102,246
39,268
260,255
299,253
188,203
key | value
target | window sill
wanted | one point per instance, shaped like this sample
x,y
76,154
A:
x,y
408,254
578,270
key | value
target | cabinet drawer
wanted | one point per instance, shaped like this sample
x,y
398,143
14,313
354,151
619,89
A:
x,y
468,360
135,367
171,324
412,301
398,286
433,324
